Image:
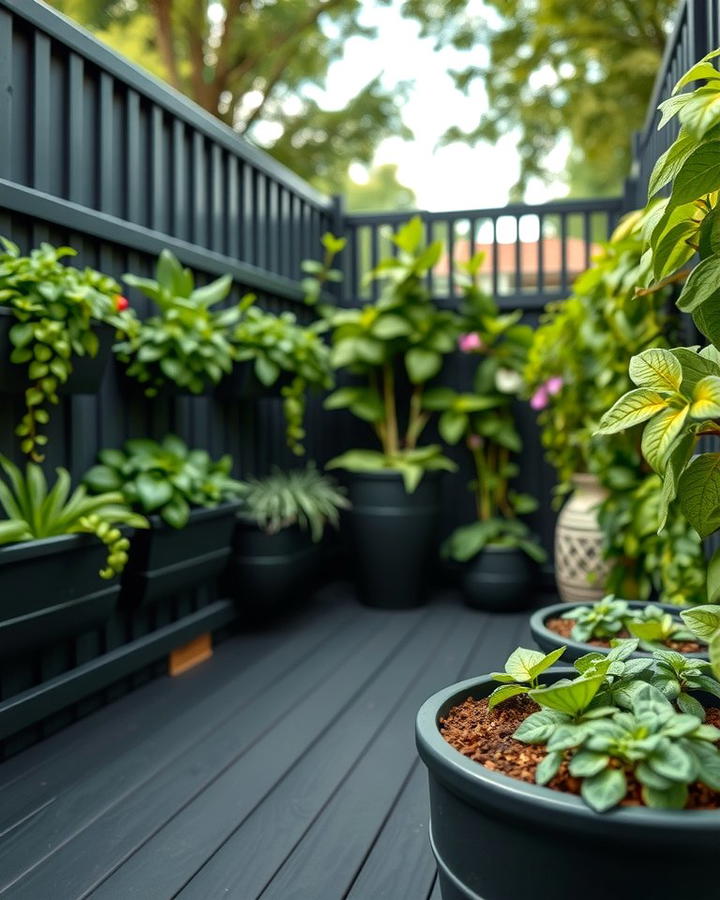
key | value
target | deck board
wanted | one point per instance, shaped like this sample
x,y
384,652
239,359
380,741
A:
x,y
284,767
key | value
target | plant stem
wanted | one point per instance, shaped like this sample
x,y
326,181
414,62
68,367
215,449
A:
x,y
392,442
417,419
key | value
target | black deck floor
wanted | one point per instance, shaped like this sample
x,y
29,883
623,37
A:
x,y
283,768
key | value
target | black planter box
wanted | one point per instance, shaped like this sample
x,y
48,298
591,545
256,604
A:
x,y
269,574
51,590
497,838
87,371
548,641
165,560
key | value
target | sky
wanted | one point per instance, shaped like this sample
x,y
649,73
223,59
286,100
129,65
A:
x,y
450,177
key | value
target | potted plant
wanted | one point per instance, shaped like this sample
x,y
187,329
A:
x,y
186,346
394,491
276,546
526,765
191,502
498,546
56,331
596,626
59,553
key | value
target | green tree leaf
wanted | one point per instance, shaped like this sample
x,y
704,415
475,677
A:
x,y
699,493
700,173
633,408
702,285
706,398
422,364
660,435
656,368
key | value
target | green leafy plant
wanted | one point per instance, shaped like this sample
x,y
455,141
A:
x,y
58,309
523,669
303,497
402,329
484,419
33,512
653,625
604,619
186,342
164,477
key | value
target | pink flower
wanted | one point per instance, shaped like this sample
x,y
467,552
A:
x,y
554,385
540,398
474,441
469,342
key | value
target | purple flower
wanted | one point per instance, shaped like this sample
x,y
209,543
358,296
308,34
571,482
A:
x,y
469,342
554,385
540,398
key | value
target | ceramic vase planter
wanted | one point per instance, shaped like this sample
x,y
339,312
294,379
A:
x,y
500,579
497,838
580,569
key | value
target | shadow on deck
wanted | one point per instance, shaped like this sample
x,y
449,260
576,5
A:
x,y
285,767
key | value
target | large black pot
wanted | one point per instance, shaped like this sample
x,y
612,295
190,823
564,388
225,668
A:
x,y
393,537
87,371
500,579
51,590
497,838
165,560
547,640
269,574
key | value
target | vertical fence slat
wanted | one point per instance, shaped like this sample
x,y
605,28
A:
x,y
41,111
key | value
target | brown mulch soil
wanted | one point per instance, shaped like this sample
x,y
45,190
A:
x,y
487,737
564,627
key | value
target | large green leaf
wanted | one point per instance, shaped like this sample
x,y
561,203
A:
x,y
656,368
699,493
699,175
694,367
422,364
702,284
521,662
153,492
704,621
713,579
452,425
702,111
571,698
670,163
660,435
604,790
631,409
706,398
505,692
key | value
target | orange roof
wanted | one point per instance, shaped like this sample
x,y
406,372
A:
x,y
576,259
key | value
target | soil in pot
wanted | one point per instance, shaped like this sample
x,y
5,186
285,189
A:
x,y
563,628
486,736
500,579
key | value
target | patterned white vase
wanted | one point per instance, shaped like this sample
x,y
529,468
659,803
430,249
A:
x,y
578,544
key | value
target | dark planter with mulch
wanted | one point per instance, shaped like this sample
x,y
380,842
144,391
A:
x,y
393,537
269,574
87,371
500,579
51,590
548,640
243,382
165,560
499,838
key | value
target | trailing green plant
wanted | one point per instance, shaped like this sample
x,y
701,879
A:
x,y
58,309
484,420
402,330
166,478
35,511
622,719
303,497
186,342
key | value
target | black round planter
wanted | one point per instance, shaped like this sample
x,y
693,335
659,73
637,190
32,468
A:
x,y
269,574
500,579
52,590
165,560
87,371
497,838
547,640
393,537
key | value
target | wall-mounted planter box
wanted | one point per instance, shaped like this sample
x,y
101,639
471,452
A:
x,y
165,560
243,382
548,640
497,838
269,574
51,590
86,376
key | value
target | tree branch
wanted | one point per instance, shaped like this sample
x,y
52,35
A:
x,y
165,38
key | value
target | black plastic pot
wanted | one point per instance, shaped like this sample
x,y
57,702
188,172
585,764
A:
x,y
393,537
547,640
269,574
165,560
497,838
51,590
500,579
86,376
243,382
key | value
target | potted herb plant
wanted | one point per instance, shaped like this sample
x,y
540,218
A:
x,y
597,767
391,348
60,553
56,332
191,502
277,542
499,547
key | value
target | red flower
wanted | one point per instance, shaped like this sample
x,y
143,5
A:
x,y
121,302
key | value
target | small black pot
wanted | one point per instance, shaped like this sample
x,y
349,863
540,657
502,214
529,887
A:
x,y
547,640
242,382
498,838
165,560
269,574
87,371
51,590
500,579
393,537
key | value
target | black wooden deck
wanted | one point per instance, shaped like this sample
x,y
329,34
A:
x,y
284,768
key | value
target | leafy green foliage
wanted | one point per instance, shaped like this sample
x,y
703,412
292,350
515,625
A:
x,y
165,478
186,343
303,497
58,309
33,512
522,671
604,619
410,464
